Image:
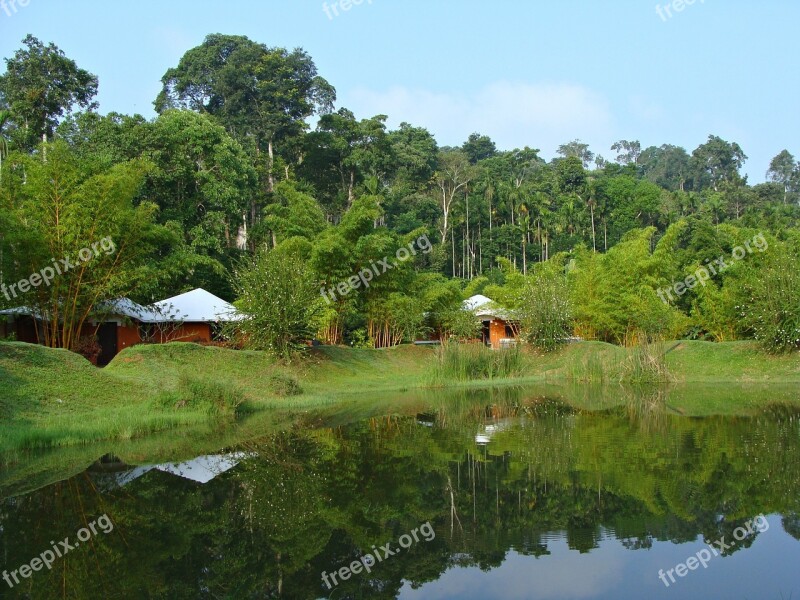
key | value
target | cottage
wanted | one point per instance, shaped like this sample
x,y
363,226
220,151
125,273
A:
x,y
499,328
121,323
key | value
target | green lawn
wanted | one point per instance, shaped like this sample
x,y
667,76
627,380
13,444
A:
x,y
56,398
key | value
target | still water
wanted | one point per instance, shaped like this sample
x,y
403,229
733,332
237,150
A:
x,y
501,495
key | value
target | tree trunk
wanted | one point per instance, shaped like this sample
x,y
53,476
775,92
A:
x,y
270,166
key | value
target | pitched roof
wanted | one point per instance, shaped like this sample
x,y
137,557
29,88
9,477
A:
x,y
476,302
197,306
486,307
127,308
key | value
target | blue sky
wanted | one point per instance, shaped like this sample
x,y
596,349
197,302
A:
x,y
523,72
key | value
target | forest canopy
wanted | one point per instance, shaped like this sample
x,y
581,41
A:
x,y
230,172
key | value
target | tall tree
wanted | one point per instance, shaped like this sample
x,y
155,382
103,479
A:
x,y
717,162
40,85
784,170
578,149
666,165
261,95
452,177
479,147
628,153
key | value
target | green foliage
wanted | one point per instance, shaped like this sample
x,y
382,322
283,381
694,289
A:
x,y
769,299
229,166
60,208
39,86
284,385
546,309
220,400
293,214
279,294
614,294
470,362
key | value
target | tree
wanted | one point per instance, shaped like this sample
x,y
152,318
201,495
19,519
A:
x,y
280,298
628,153
784,170
40,85
768,297
415,152
667,166
717,162
452,177
351,151
293,214
202,176
260,95
546,308
478,147
577,149
78,239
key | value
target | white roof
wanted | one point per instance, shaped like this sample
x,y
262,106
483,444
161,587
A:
x,y
484,307
201,469
127,308
20,311
476,302
197,306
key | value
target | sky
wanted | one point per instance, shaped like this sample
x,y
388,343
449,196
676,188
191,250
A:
x,y
523,72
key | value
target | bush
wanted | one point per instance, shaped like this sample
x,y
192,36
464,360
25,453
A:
x,y
280,297
89,347
770,300
284,386
546,311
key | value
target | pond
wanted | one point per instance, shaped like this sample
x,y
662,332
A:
x,y
502,494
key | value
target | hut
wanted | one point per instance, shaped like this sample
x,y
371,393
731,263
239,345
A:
x,y
499,327
193,316
121,323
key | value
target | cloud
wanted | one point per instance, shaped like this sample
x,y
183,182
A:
x,y
513,114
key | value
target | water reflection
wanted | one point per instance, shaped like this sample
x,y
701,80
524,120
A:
x,y
529,498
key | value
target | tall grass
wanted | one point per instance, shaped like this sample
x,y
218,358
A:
x,y
218,399
646,363
590,368
471,362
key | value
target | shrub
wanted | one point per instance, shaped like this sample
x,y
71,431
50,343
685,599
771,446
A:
x,y
770,300
280,297
284,386
89,347
546,310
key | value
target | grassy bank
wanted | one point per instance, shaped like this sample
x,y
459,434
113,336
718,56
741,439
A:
x,y
56,398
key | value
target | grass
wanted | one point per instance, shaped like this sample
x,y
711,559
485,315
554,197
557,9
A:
x,y
57,398
469,362
54,398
